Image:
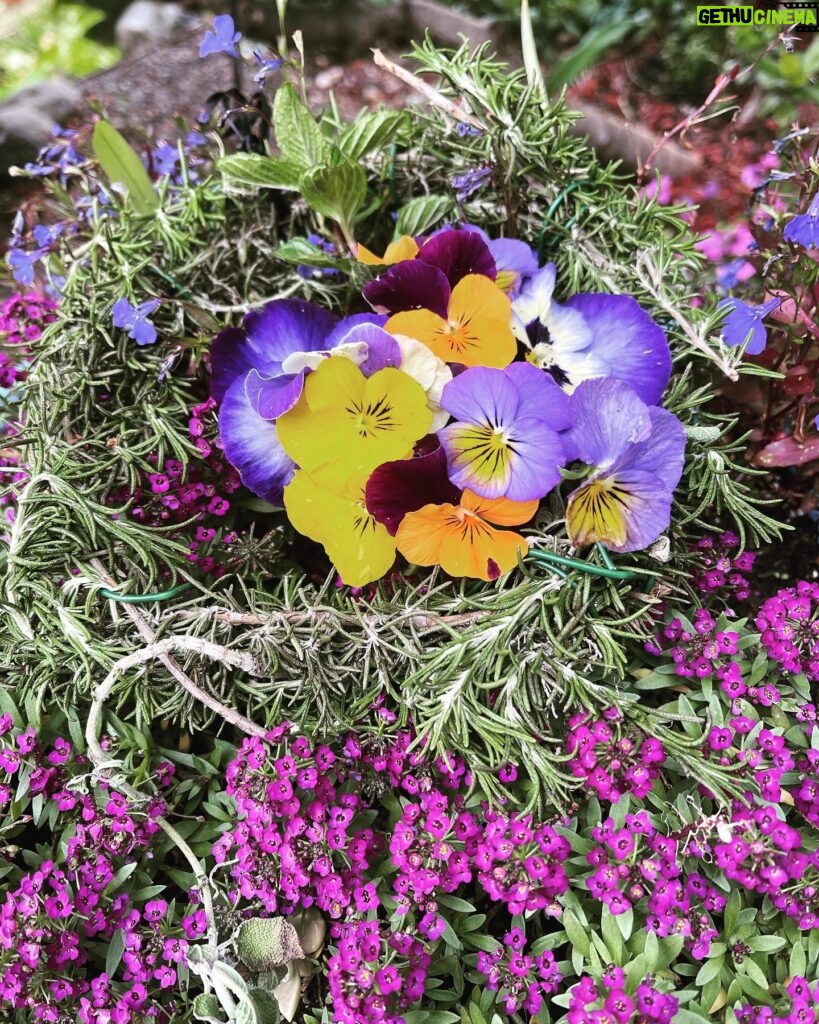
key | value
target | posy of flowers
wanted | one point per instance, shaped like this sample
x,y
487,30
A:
x,y
434,425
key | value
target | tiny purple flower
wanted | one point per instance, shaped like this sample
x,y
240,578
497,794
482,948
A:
x,y
266,66
135,320
222,38
804,228
745,322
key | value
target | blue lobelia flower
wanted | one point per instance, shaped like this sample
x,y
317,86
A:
x,y
266,66
804,228
222,38
743,324
636,452
591,335
134,319
257,374
22,264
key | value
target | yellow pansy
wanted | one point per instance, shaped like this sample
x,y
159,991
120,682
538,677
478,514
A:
x,y
349,424
337,518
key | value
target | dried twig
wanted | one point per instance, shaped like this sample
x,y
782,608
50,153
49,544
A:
x,y
148,635
435,97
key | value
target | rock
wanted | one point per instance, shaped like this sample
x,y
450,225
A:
x,y
26,119
148,22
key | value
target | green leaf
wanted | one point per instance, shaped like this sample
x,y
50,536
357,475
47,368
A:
x,y
436,1017
298,136
732,909
798,962
122,164
337,192
625,922
611,934
299,250
754,972
258,1007
418,215
766,943
588,51
116,947
577,934
207,1007
651,951
371,131
256,171
455,903
710,969
531,62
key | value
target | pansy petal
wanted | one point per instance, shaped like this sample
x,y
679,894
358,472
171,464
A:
x,y
479,551
252,446
422,532
481,395
411,284
607,416
403,248
284,326
626,511
483,314
477,459
500,511
663,454
360,548
537,455
338,335
458,253
539,395
535,299
271,397
634,346
396,488
232,357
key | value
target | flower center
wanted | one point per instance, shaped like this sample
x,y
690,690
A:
x,y
458,335
371,418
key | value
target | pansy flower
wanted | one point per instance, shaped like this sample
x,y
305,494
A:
x,y
447,298
592,335
636,452
349,423
515,261
505,440
462,538
434,523
335,515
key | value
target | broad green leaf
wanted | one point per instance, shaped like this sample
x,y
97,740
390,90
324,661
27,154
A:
x,y
422,213
798,962
256,171
299,250
709,970
116,947
455,903
766,943
371,131
576,932
754,972
336,192
206,1007
122,164
611,934
625,922
258,1007
732,909
298,136
436,1017
651,951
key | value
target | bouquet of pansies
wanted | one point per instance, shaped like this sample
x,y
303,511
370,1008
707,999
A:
x,y
436,424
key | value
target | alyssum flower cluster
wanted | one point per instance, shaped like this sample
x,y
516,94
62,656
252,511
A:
x,y
432,425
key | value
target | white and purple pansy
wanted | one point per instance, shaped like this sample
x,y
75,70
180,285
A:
x,y
591,335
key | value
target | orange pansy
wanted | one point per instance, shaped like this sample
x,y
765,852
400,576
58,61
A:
x,y
460,538
477,328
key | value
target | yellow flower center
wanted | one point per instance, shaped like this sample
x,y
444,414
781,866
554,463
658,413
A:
x,y
371,418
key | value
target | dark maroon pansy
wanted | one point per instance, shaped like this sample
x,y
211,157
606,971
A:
x,y
396,488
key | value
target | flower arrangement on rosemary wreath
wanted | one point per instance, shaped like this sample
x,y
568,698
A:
x,y
460,474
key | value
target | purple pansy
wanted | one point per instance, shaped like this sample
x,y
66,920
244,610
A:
x,y
592,335
135,320
804,228
426,282
636,452
743,322
222,38
258,373
505,440
515,261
